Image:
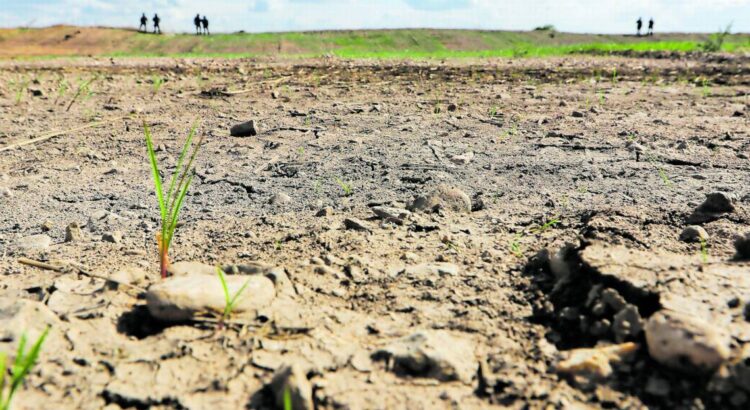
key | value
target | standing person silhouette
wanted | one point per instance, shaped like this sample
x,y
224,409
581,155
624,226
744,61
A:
x,y
197,22
205,25
650,27
143,23
156,20
639,25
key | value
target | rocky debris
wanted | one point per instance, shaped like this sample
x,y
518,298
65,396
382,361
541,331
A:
x,y
280,198
190,268
34,242
181,297
595,362
357,225
577,114
73,233
6,192
452,107
326,211
686,342
627,323
431,270
130,275
36,92
694,233
112,237
443,198
715,205
463,159
292,381
46,226
391,214
245,129
431,353
742,246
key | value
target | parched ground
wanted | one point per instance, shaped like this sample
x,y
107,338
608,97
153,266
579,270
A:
x,y
601,153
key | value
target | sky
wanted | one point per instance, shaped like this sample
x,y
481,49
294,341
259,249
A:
x,y
587,16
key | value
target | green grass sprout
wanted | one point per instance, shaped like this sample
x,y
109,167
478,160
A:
x,y
169,206
346,187
230,301
157,83
21,367
83,89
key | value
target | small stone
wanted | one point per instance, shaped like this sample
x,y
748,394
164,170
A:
x,y
6,192
245,129
357,225
36,92
694,233
577,114
73,233
410,257
327,211
179,298
274,95
740,368
112,237
34,242
627,324
280,198
434,354
431,270
46,226
392,214
716,204
292,381
463,159
596,361
444,197
129,275
452,107
190,268
685,342
613,299
742,246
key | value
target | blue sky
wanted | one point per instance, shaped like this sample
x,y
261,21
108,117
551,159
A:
x,y
595,16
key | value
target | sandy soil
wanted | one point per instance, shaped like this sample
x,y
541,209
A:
x,y
548,152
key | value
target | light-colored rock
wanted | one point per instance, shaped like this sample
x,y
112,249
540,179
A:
x,y
34,242
280,198
715,205
112,237
189,268
131,275
463,159
686,342
435,354
23,316
292,381
180,297
693,233
73,233
627,323
357,225
596,361
444,197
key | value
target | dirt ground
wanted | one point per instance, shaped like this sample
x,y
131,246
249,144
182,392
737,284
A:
x,y
609,155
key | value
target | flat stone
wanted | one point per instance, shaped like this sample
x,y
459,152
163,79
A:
x,y
73,233
444,197
130,275
357,225
596,361
685,342
463,159
390,213
433,354
693,233
112,237
34,242
189,268
179,298
245,129
280,198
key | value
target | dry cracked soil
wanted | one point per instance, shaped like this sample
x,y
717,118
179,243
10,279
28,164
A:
x,y
543,233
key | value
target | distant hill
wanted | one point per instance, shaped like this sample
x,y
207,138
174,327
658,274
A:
x,y
409,43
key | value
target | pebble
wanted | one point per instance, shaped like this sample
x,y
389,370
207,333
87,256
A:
x,y
73,233
577,114
46,226
280,198
463,159
6,192
656,386
595,361
685,342
434,354
742,246
444,197
327,211
390,213
34,242
627,324
716,204
131,275
179,298
245,129
112,237
693,233
357,225
292,379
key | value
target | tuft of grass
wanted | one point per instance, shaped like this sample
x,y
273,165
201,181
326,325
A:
x,y
346,187
169,206
22,365
704,251
230,301
715,42
83,89
546,226
62,88
157,82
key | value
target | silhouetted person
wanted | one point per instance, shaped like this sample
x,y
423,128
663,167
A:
x,y
650,27
144,19
156,20
205,25
197,22
639,25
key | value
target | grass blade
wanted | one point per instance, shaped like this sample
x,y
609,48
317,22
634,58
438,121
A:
x,y
237,295
155,172
223,281
180,159
3,362
173,222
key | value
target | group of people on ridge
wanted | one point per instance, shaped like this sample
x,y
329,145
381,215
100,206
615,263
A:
x,y
201,24
639,26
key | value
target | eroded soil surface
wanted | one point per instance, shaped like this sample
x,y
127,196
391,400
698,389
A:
x,y
609,155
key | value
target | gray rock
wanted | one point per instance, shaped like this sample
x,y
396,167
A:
x,y
190,268
627,324
740,368
181,297
36,92
131,275
292,380
431,270
245,129
577,114
113,237
34,242
73,233
693,233
357,225
715,205
280,198
742,245
686,342
463,159
435,354
444,197
391,214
